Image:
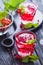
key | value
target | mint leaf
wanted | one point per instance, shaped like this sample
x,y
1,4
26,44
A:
x,y
35,25
12,4
31,41
28,25
6,6
3,14
15,3
25,59
30,58
33,58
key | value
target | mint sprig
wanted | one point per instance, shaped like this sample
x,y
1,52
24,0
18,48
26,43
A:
x,y
30,58
31,41
35,25
30,25
3,14
12,4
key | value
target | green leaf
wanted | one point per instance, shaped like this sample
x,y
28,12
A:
x,y
35,25
12,4
25,59
15,3
3,14
34,58
28,25
30,58
6,6
31,41
0,24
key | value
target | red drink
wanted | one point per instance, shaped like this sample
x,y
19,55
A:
x,y
22,38
27,11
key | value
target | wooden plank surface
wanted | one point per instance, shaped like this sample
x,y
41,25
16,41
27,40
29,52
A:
x,y
8,59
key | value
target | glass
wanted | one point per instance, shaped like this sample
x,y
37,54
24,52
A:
x,y
23,48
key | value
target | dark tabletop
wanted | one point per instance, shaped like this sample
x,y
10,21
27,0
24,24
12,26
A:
x,y
8,59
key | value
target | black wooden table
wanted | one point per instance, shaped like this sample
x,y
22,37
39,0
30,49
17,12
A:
x,y
8,59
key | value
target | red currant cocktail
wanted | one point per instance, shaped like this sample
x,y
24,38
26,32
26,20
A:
x,y
25,42
27,11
